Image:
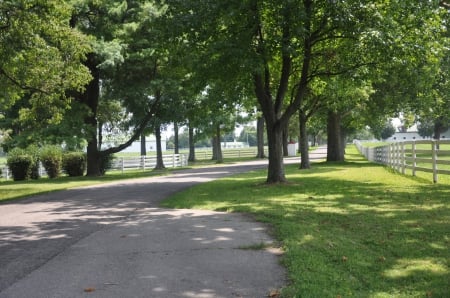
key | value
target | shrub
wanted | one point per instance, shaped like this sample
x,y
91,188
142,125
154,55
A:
x,y
74,163
33,152
51,158
106,162
20,163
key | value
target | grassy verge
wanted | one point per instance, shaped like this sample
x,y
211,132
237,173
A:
x,y
10,189
352,229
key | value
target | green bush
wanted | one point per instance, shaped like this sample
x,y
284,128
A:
x,y
51,158
20,164
33,152
74,163
106,162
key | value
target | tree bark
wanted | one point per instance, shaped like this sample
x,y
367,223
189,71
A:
x,y
260,138
276,167
143,145
304,146
285,140
191,144
90,98
176,138
217,148
334,147
159,154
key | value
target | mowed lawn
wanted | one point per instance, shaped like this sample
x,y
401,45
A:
x,y
352,229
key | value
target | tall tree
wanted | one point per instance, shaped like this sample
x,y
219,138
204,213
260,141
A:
x,y
126,62
282,45
40,62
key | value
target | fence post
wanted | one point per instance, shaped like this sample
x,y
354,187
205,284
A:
x,y
434,157
414,155
143,162
173,161
390,154
403,159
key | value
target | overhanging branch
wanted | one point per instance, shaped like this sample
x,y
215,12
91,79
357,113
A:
x,y
137,132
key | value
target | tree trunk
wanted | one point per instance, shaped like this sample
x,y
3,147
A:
x,y
285,140
334,150
159,154
176,138
90,98
217,148
304,147
100,136
299,139
143,145
260,137
191,144
214,147
343,141
275,172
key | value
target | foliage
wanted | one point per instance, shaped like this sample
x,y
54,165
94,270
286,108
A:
x,y
74,163
41,59
425,128
352,229
284,50
388,131
106,163
20,163
51,158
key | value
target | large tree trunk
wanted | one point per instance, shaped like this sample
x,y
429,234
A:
x,y
260,138
176,138
334,149
276,167
90,98
143,145
159,154
214,147
285,140
191,144
217,148
304,147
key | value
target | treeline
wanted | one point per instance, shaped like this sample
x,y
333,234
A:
x,y
74,73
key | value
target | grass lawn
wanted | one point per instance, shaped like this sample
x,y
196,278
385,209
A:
x,y
10,189
352,229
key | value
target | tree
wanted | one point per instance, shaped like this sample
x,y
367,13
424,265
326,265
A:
x,y
41,60
128,57
388,131
281,46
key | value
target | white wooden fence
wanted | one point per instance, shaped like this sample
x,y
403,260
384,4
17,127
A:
x,y
124,164
148,162
408,155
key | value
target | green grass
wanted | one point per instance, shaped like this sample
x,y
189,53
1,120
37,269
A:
x,y
352,229
10,190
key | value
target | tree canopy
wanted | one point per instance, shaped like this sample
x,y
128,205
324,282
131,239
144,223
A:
x,y
358,61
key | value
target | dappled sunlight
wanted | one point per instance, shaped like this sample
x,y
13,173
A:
x,y
408,267
346,224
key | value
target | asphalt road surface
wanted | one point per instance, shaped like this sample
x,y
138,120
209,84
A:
x,y
112,240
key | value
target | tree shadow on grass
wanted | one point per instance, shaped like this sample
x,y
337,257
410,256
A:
x,y
359,238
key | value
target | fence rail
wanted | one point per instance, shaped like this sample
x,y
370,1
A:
x,y
148,162
229,153
124,164
412,155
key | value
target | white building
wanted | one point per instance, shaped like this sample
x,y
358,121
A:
x,y
414,136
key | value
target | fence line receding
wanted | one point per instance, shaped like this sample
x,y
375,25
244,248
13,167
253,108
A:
x,y
429,156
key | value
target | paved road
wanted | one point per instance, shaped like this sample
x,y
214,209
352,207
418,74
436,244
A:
x,y
112,240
